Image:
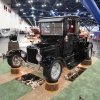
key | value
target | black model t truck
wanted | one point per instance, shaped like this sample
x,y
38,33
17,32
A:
x,y
60,46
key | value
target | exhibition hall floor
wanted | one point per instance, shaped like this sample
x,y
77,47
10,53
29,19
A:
x,y
85,85
16,90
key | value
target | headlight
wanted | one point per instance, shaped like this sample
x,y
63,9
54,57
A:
x,y
38,57
23,54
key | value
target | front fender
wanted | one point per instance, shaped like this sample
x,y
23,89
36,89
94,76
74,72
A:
x,y
46,62
17,52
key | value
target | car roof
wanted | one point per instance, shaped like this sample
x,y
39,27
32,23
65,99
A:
x,y
56,19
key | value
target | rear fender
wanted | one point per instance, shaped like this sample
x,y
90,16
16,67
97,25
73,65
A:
x,y
88,45
21,53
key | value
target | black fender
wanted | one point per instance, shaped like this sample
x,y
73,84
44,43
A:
x,y
16,52
46,62
88,45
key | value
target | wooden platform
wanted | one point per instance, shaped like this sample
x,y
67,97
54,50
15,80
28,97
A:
x,y
16,70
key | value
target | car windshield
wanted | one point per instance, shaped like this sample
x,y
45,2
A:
x,y
52,28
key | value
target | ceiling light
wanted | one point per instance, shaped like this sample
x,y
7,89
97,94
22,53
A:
x,y
29,1
32,8
18,4
42,5
78,10
57,4
24,13
32,12
21,9
77,0
41,13
60,4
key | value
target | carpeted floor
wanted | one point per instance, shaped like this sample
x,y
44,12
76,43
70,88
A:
x,y
12,90
87,86
4,67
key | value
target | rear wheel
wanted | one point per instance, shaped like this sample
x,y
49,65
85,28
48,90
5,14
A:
x,y
53,73
14,61
89,53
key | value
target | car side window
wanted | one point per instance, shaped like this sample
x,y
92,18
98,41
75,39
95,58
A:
x,y
70,26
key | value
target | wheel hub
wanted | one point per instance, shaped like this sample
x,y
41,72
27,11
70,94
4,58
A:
x,y
16,60
55,71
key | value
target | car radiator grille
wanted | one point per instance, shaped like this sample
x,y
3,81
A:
x,y
31,55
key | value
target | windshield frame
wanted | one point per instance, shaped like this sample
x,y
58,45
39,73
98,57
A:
x,y
56,31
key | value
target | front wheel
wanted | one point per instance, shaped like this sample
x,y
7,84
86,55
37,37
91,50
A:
x,y
14,61
53,73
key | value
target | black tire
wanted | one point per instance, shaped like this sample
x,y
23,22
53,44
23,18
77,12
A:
x,y
89,53
14,61
47,72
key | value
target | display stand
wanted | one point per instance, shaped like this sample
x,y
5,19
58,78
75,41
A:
x,y
52,87
87,62
16,70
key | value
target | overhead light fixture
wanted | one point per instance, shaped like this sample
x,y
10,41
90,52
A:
x,y
42,5
32,12
30,1
60,4
41,13
18,4
32,8
57,4
24,13
78,10
21,9
77,0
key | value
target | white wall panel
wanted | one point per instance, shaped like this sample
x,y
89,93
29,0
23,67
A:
x,y
10,20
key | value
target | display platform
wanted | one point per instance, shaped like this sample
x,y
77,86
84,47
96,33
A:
x,y
24,92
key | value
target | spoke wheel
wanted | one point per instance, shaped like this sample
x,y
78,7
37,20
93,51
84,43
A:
x,y
14,61
55,71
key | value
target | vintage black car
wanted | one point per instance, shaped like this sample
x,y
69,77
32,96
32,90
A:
x,y
60,46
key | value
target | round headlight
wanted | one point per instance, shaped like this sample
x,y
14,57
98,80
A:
x,y
23,54
38,57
